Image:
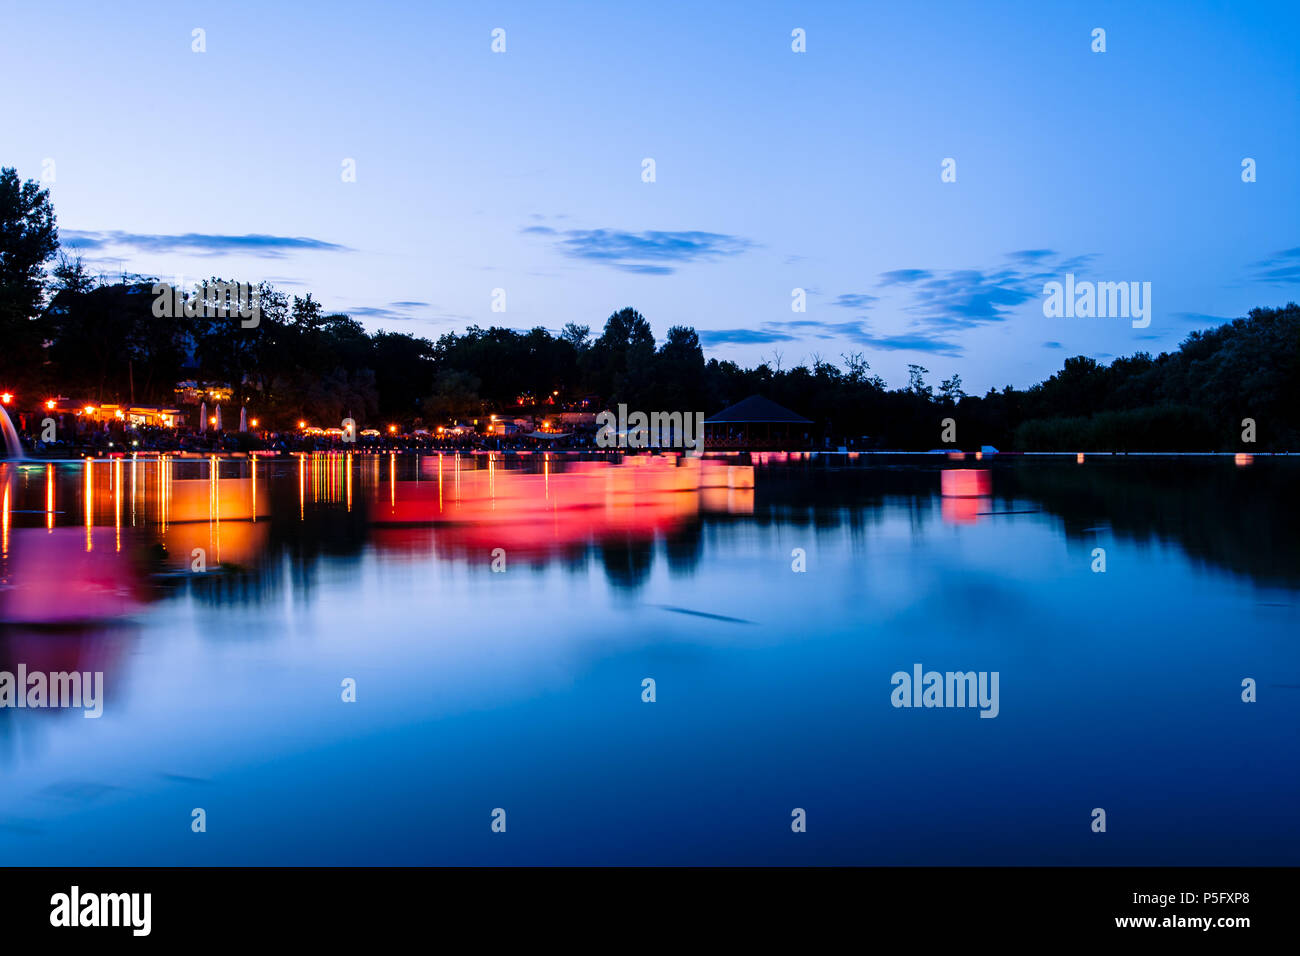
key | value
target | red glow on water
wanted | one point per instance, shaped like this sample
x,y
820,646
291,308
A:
x,y
966,482
57,579
963,510
485,508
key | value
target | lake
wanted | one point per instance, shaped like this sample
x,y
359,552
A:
x,y
496,620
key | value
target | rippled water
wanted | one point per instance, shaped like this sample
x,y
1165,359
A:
x,y
522,689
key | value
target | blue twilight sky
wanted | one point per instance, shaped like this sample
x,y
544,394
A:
x,y
775,170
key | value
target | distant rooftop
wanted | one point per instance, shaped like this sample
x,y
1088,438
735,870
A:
x,y
754,410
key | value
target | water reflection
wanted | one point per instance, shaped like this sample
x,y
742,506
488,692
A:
x,y
246,517
478,504
380,567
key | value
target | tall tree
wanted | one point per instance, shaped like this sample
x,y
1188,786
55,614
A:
x,y
29,237
70,275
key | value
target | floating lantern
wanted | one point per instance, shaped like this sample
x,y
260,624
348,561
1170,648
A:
x,y
966,483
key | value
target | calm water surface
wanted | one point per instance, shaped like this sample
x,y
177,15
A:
x,y
523,690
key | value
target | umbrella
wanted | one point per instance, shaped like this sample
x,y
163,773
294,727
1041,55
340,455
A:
x,y
203,416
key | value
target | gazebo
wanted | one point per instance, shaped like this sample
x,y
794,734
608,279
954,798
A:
x,y
757,422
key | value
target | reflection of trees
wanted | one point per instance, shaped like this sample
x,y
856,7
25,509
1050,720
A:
x,y
627,560
1235,518
1240,519
684,547
294,545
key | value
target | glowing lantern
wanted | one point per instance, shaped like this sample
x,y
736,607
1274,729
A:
x,y
302,424
392,429
253,422
6,398
966,482
1241,460
1079,458
50,404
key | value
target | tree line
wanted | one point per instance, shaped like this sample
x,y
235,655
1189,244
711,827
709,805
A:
x,y
65,331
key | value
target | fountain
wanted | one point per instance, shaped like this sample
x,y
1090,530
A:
x,y
13,447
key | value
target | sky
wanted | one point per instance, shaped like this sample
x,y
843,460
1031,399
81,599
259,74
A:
x,y
774,170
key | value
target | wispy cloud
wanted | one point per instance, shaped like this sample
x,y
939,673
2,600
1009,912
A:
x,y
643,253
904,276
937,305
374,312
919,342
408,310
943,302
254,244
713,337
802,329
855,300
1200,319
1030,256
1281,268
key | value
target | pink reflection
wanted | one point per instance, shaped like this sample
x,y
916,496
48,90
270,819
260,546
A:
x,y
966,482
965,493
56,579
560,509
68,649
964,510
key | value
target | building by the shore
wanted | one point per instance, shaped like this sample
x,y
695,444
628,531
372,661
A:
x,y
757,423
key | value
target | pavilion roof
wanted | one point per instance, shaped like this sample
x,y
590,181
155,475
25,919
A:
x,y
756,410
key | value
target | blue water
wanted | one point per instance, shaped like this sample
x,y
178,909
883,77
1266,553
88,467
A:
x,y
522,690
